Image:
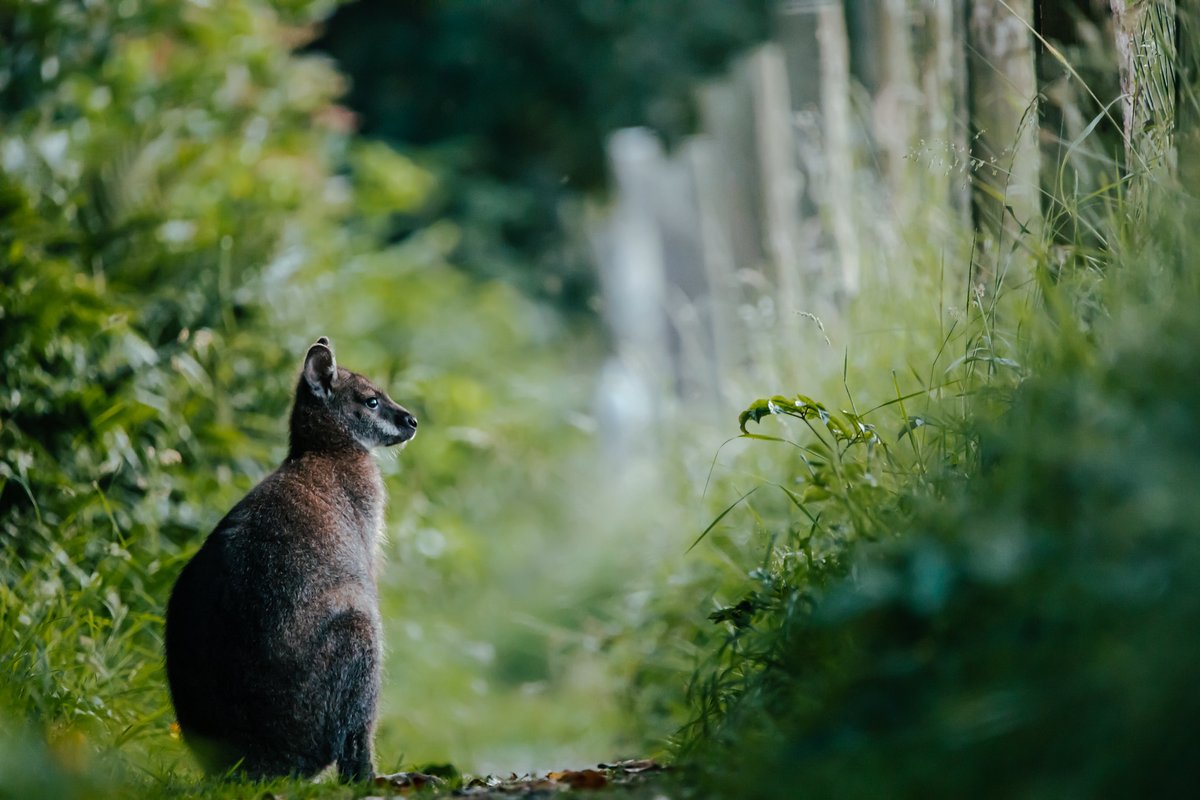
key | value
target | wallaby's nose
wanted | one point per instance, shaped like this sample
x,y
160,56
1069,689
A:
x,y
409,420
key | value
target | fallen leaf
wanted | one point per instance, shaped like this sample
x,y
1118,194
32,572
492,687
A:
x,y
580,779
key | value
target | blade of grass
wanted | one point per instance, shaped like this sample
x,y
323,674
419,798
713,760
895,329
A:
x,y
720,517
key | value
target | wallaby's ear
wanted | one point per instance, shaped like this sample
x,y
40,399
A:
x,y
325,341
320,369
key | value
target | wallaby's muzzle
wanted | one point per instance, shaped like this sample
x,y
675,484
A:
x,y
405,423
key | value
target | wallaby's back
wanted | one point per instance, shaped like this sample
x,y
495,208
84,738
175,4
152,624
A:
x,y
273,631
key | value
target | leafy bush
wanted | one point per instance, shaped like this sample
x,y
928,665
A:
x,y
155,160
182,209
1021,621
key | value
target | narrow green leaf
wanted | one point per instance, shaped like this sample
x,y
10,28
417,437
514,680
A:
x,y
720,517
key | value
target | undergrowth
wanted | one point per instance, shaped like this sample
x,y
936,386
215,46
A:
x,y
856,477
987,585
181,212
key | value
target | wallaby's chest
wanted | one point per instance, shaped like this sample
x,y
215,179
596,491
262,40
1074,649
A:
x,y
317,517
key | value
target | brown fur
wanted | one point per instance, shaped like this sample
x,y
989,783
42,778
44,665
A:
x,y
273,633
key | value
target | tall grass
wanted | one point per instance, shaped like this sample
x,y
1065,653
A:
x,y
988,583
849,477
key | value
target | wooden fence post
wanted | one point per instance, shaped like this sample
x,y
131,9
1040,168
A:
x,y
945,82
1004,119
835,115
779,176
1145,33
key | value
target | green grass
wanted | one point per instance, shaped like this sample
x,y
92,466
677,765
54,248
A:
x,y
1010,609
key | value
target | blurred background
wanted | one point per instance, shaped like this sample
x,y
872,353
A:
x,y
576,239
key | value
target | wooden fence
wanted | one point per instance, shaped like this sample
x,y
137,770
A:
x,y
859,120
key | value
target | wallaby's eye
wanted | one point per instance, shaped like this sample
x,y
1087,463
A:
x,y
372,402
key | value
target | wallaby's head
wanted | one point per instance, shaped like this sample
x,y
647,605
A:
x,y
336,408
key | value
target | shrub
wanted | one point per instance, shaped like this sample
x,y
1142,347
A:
x,y
1024,625
164,167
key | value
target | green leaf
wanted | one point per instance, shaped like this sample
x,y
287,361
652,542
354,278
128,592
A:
x,y
720,517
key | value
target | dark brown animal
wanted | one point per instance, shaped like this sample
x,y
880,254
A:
x,y
273,631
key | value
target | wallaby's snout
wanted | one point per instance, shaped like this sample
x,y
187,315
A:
x,y
405,423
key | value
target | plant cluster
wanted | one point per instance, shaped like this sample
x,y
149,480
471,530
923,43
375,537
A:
x,y
183,208
154,161
1012,613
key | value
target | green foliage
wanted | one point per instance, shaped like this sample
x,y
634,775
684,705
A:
x,y
181,212
154,160
851,488
1020,623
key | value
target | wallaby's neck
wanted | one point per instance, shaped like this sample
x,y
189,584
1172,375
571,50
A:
x,y
314,430
318,443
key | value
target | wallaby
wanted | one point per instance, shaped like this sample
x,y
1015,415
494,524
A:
x,y
273,639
